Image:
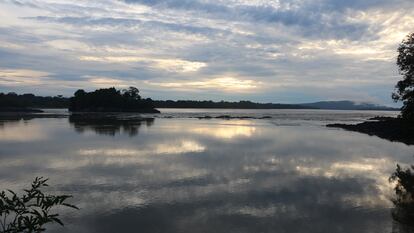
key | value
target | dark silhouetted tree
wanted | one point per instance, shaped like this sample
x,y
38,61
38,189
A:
x,y
131,93
405,88
110,100
31,211
31,101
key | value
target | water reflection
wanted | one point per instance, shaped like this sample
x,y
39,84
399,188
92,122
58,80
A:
x,y
108,124
10,129
10,119
227,130
176,176
403,212
181,147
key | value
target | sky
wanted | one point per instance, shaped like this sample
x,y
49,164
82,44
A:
x,y
282,51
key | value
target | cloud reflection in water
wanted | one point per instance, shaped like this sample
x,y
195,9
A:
x,y
227,130
213,176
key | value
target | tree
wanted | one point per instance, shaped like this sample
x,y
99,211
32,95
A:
x,y
131,93
405,88
111,100
31,211
80,93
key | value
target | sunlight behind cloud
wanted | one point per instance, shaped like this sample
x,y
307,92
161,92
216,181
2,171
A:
x,y
228,84
171,65
106,81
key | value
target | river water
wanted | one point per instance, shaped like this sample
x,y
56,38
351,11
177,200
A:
x,y
178,173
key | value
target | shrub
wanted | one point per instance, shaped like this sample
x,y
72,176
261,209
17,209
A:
x,y
30,211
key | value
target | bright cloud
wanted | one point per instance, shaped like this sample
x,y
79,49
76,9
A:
x,y
106,81
10,77
173,65
228,84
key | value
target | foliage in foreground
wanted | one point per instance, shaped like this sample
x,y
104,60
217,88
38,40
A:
x,y
30,211
404,190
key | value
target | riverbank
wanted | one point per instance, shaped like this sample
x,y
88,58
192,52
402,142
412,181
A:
x,y
392,129
19,110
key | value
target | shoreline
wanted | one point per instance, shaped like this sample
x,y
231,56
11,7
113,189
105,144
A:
x,y
20,110
391,129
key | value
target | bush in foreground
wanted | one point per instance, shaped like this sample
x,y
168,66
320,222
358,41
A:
x,y
31,211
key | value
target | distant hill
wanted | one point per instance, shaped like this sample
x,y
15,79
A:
x,y
347,105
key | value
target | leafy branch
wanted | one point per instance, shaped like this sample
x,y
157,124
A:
x,y
30,211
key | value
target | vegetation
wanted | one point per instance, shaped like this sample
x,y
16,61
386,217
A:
x,y
84,100
31,211
13,100
405,87
224,104
111,100
404,191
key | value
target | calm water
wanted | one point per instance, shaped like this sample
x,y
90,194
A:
x,y
180,174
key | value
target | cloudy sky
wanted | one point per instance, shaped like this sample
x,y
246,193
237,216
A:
x,y
268,51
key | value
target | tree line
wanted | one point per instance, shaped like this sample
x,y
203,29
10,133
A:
x,y
14,100
125,99
130,99
223,104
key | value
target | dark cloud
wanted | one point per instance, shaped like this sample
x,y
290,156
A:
x,y
311,20
129,23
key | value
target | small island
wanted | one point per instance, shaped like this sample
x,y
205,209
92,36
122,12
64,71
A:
x,y
111,100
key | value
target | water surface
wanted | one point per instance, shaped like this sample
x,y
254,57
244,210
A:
x,y
176,173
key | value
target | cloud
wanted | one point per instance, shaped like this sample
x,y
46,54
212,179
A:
x,y
106,81
228,84
176,48
172,65
11,77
